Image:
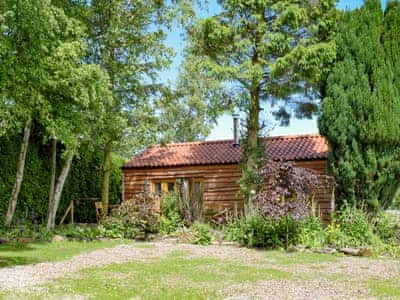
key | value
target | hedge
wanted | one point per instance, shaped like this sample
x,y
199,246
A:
x,y
83,181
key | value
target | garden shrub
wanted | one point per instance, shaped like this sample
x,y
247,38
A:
x,y
201,233
353,224
169,225
311,233
198,233
262,232
170,219
384,227
118,228
286,190
81,233
134,218
350,227
34,232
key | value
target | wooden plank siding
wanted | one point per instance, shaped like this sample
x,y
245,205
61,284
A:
x,y
220,186
220,183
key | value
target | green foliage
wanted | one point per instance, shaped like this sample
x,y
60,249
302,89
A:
x,y
134,219
201,234
170,205
257,231
350,227
112,229
83,181
384,227
170,219
128,42
362,104
192,108
251,180
354,224
79,233
311,233
335,237
36,233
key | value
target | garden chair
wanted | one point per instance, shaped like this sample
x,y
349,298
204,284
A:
x,y
99,211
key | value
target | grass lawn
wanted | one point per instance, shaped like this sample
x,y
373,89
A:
x,y
182,272
174,277
12,254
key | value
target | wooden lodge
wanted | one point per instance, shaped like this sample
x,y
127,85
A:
x,y
212,169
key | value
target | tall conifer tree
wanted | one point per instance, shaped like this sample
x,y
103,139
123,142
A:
x,y
267,51
361,113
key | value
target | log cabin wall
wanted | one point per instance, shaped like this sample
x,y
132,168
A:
x,y
324,195
220,183
220,187
318,166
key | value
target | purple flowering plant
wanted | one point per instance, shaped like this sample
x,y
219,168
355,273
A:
x,y
286,190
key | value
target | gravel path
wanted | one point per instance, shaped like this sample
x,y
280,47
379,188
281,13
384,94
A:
x,y
294,289
309,281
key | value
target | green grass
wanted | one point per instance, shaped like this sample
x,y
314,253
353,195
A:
x,y
12,254
389,288
171,277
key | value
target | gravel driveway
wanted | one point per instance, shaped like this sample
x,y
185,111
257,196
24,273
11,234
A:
x,y
317,286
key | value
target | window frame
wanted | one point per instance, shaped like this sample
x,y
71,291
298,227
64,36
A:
x,y
164,186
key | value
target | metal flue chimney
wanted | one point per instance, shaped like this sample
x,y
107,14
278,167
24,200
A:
x,y
236,134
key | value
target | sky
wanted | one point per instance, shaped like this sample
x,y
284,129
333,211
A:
x,y
224,127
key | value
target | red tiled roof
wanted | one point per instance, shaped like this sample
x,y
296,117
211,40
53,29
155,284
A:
x,y
291,147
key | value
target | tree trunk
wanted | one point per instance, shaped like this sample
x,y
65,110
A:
x,y
51,220
253,149
12,204
106,176
53,175
252,138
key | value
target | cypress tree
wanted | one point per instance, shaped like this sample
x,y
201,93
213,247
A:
x,y
361,111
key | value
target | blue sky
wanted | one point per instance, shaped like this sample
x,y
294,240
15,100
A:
x,y
223,130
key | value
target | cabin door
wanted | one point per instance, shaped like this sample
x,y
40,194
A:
x,y
191,199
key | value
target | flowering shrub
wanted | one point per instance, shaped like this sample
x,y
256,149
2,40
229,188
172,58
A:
x,y
286,191
135,218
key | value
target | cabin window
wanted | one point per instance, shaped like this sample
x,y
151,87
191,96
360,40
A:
x,y
171,186
161,187
193,186
158,188
196,187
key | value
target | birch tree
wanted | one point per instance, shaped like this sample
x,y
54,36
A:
x,y
30,33
80,96
127,40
